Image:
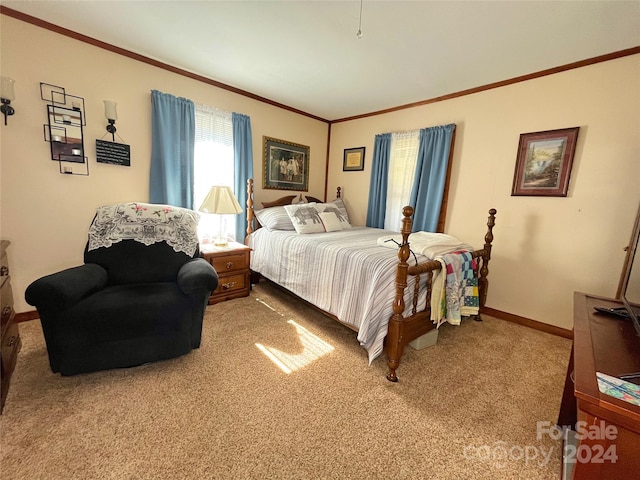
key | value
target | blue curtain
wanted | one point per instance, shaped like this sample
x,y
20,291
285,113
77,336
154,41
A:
x,y
430,177
379,178
243,163
172,144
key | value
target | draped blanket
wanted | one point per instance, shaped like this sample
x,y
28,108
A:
x,y
145,223
455,289
426,243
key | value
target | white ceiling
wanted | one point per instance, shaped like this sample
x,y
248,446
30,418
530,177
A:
x,y
305,54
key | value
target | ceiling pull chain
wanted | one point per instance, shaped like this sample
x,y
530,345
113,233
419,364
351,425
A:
x,y
359,32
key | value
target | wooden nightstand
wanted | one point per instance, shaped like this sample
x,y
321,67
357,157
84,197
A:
x,y
232,264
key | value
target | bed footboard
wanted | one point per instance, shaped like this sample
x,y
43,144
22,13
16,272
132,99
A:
x,y
403,330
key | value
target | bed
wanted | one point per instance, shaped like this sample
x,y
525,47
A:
x,y
368,279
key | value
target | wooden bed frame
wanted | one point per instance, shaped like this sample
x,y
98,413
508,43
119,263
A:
x,y
402,330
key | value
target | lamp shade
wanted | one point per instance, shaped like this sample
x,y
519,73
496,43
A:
x,y
6,88
220,200
110,111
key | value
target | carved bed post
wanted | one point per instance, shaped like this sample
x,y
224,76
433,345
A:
x,y
250,214
395,345
339,189
483,282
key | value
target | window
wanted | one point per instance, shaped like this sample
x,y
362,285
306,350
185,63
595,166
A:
x,y
213,165
402,168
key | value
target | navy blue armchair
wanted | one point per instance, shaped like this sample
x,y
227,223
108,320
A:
x,y
140,296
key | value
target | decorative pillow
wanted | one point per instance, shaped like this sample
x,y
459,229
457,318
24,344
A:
x,y
305,218
337,207
274,218
330,221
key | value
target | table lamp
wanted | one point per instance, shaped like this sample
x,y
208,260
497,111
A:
x,y
221,201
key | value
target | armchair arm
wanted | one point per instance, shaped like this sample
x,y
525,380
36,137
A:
x,y
60,290
197,275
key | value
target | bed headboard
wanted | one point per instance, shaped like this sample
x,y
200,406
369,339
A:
x,y
252,221
288,200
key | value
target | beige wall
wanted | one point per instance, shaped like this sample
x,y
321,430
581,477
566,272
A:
x,y
545,248
45,214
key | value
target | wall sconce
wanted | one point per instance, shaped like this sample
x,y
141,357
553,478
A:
x,y
7,94
111,114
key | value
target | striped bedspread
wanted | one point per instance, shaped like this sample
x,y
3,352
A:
x,y
345,273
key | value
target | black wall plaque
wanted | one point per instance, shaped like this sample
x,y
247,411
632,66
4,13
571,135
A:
x,y
114,153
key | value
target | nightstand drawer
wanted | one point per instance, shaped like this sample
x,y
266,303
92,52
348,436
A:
x,y
232,283
230,263
231,286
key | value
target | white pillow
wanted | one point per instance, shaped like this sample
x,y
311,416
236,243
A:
x,y
330,221
305,218
338,208
274,218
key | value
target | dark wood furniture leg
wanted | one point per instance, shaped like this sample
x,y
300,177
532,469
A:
x,y
568,415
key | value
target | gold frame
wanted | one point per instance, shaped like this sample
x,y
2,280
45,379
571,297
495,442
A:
x,y
285,165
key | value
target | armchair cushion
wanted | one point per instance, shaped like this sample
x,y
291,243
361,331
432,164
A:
x,y
123,326
126,311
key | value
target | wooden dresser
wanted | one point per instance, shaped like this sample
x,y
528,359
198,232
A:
x,y
10,345
609,345
232,264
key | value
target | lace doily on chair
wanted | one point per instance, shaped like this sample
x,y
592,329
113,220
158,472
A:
x,y
145,223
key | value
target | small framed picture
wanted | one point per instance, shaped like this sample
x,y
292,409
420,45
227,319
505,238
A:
x,y
543,164
353,159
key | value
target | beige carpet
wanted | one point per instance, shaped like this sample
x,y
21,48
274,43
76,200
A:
x,y
464,409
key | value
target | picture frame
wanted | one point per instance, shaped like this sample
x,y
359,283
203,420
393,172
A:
x,y
543,163
353,159
285,165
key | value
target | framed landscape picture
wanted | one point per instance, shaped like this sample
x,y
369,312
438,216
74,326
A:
x,y
286,165
543,164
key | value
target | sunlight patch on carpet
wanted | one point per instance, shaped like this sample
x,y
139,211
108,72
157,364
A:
x,y
313,349
267,305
